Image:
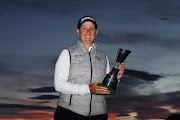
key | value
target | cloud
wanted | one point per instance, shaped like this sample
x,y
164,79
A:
x,y
147,39
26,68
142,75
122,115
174,97
173,94
173,117
20,106
124,38
16,77
146,107
45,6
5,71
45,102
70,7
166,19
43,89
45,97
18,113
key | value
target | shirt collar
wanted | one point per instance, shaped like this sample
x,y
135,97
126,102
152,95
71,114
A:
x,y
91,47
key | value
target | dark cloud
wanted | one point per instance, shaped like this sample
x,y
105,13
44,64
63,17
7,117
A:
x,y
131,86
176,93
166,19
174,97
55,7
45,97
142,75
9,68
122,115
135,38
173,117
20,106
6,71
6,112
43,89
144,106
22,79
139,38
45,6
11,113
169,41
45,102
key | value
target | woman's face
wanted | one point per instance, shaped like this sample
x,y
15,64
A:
x,y
87,32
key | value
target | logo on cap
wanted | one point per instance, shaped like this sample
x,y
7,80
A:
x,y
85,18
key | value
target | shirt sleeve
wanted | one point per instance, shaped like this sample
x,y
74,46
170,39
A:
x,y
61,76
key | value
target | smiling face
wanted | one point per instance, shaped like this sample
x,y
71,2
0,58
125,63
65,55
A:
x,y
87,33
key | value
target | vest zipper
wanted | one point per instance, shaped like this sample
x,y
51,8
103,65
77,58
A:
x,y
90,83
70,100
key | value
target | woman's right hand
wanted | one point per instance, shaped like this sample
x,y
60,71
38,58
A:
x,y
95,89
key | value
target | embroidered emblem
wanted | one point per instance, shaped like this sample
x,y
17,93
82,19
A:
x,y
98,58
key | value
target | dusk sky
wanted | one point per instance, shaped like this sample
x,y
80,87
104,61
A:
x,y
34,32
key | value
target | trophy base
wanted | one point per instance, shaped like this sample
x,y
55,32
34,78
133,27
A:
x,y
112,92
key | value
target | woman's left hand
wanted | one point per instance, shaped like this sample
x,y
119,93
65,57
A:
x,y
121,71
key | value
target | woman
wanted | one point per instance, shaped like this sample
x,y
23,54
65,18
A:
x,y
78,70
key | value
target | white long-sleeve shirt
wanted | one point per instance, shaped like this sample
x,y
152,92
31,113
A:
x,y
62,73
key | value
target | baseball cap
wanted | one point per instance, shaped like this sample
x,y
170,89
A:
x,y
84,19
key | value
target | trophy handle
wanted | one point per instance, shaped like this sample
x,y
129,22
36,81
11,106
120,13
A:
x,y
115,61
